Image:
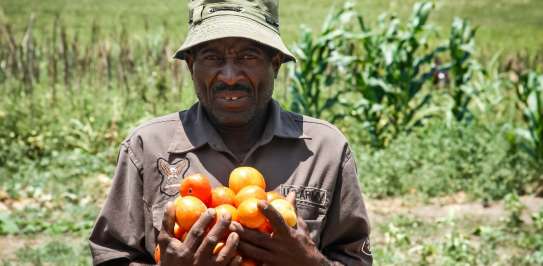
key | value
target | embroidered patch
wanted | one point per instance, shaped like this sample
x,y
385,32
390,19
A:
x,y
171,175
310,195
366,249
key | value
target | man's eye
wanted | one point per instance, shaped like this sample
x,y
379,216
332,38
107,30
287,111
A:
x,y
247,57
212,57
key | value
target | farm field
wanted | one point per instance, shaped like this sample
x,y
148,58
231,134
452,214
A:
x,y
512,26
456,177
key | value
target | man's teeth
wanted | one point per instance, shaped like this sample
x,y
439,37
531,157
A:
x,y
231,98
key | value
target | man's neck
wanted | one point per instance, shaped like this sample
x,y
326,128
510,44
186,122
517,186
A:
x,y
241,139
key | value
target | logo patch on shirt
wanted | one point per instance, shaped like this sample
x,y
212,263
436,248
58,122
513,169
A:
x,y
308,195
171,175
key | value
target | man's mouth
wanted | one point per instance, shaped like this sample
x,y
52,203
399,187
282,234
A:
x,y
231,95
233,99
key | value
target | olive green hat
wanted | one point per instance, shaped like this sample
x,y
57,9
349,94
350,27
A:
x,y
257,20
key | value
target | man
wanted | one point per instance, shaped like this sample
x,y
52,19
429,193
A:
x,y
234,52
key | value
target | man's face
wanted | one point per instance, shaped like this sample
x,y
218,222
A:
x,y
234,79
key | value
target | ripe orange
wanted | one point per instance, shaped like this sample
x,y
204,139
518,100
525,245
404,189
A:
x,y
248,262
157,254
196,185
177,200
222,195
244,176
226,208
249,215
266,227
177,232
248,192
187,210
271,195
286,210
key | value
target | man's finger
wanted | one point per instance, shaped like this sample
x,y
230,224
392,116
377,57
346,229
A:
x,y
291,197
197,232
168,221
251,236
165,236
257,253
215,235
276,220
301,225
236,261
228,252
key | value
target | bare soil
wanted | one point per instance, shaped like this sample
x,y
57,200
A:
x,y
457,205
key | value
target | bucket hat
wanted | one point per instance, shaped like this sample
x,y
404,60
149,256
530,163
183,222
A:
x,y
257,20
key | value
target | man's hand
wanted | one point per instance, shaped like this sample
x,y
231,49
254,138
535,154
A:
x,y
286,246
197,249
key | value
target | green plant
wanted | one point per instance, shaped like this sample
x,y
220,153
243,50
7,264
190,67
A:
x,y
318,66
515,209
530,96
441,159
388,76
461,48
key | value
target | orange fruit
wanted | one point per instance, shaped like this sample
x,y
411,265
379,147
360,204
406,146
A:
x,y
271,195
248,192
176,201
222,195
286,210
218,248
196,185
157,254
266,227
248,262
244,176
249,215
177,232
226,208
187,210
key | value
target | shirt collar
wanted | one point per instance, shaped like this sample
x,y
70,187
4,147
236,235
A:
x,y
195,130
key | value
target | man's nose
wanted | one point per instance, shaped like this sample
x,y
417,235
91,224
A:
x,y
230,73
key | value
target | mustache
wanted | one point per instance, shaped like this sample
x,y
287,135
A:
x,y
235,87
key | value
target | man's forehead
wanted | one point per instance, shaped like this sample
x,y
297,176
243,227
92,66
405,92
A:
x,y
233,43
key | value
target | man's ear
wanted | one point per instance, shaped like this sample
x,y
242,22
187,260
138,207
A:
x,y
189,59
277,61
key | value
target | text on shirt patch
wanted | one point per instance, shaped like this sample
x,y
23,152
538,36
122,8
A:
x,y
311,195
171,175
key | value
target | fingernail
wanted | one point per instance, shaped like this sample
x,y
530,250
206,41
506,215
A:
x,y
262,204
234,226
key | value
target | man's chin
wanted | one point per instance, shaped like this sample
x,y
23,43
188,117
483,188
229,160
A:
x,y
233,119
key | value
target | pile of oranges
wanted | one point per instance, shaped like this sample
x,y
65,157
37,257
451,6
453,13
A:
x,y
246,186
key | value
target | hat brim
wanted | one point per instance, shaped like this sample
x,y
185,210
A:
x,y
224,26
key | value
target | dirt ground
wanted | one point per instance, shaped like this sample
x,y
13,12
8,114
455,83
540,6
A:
x,y
457,205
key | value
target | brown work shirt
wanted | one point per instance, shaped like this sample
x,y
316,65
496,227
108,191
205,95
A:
x,y
295,152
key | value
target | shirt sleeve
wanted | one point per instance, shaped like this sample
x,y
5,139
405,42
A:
x,y
345,237
120,229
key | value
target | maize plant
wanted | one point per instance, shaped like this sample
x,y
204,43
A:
x,y
530,95
462,67
380,77
389,74
316,69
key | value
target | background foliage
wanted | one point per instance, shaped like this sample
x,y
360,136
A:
x,y
433,105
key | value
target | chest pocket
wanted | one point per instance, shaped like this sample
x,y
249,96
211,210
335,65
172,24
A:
x,y
312,205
